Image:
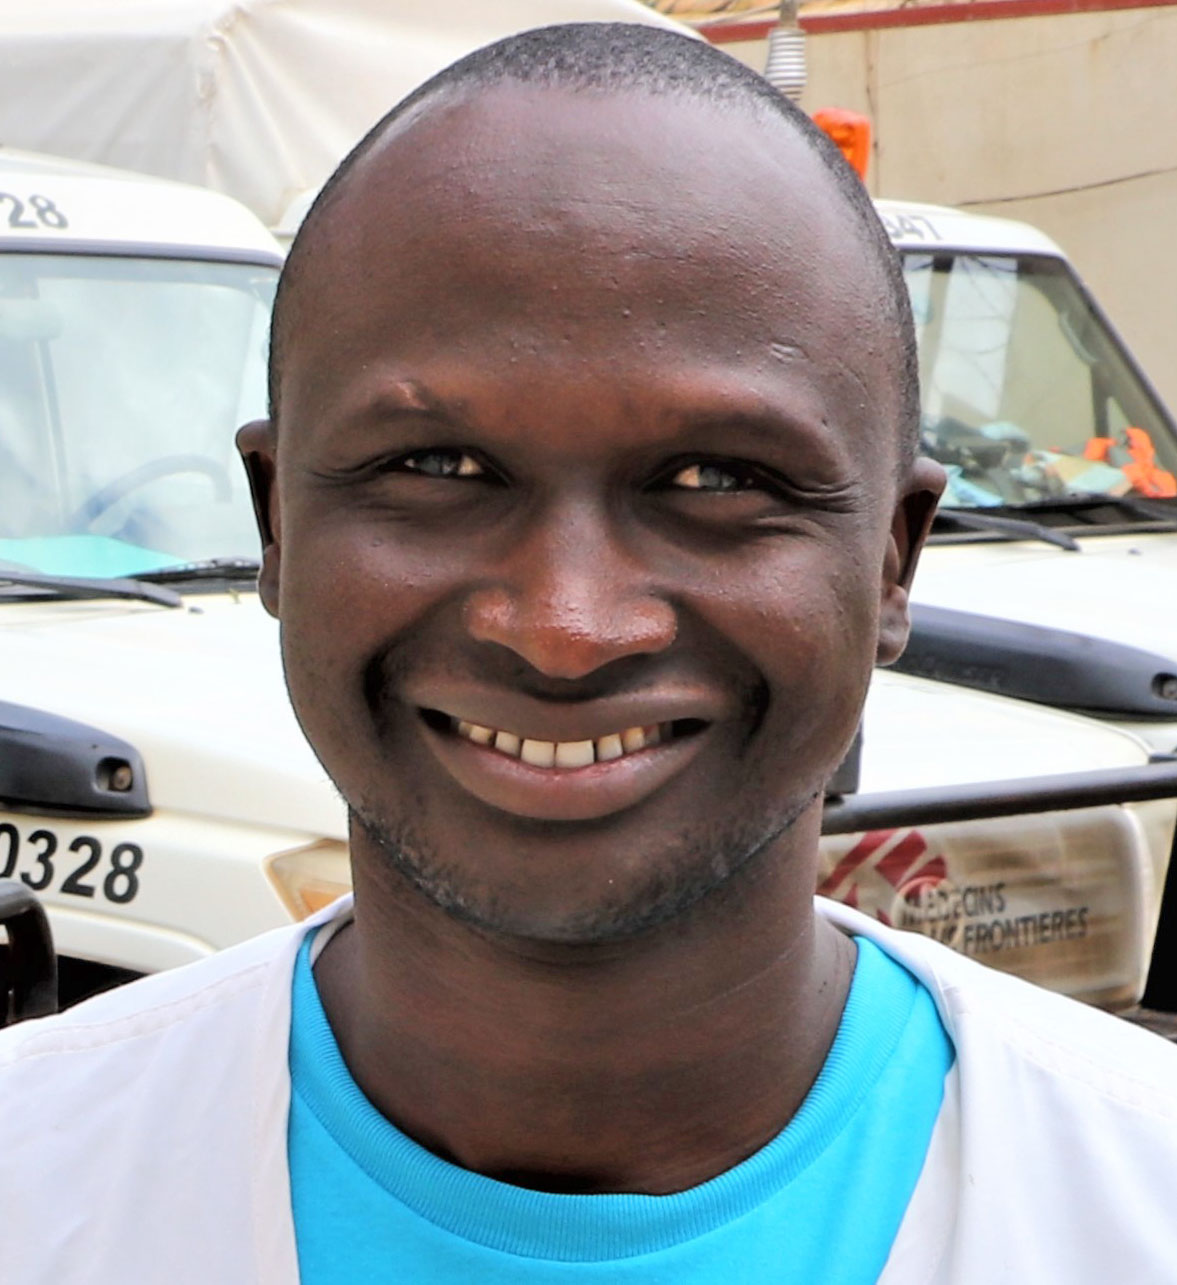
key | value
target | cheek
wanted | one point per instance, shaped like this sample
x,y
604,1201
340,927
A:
x,y
806,625
358,577
350,596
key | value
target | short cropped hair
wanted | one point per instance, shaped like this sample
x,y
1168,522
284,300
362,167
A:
x,y
627,57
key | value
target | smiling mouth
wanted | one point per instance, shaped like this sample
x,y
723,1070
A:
x,y
564,754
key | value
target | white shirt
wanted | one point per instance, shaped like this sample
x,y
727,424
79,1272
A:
x,y
143,1134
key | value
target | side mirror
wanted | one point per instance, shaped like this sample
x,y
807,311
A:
x,y
28,967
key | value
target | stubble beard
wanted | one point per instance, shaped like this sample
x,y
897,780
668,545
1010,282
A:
x,y
691,868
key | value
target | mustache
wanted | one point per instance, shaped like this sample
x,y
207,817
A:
x,y
386,675
497,666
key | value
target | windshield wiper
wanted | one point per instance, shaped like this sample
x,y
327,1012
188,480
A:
x,y
92,587
209,569
1014,528
1136,506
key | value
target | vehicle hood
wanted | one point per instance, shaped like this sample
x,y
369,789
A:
x,y
197,691
919,734
1119,588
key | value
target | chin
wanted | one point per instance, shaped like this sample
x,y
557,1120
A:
x,y
577,901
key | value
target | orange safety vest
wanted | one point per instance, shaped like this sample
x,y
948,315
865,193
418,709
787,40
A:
x,y
1140,467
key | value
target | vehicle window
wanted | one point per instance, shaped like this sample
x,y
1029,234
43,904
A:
x,y
122,382
1026,394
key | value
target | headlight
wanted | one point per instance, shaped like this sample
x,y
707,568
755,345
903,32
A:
x,y
309,878
1064,899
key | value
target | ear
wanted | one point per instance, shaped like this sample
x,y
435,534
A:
x,y
910,525
258,446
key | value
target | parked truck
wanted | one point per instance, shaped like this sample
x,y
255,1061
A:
x,y
1052,569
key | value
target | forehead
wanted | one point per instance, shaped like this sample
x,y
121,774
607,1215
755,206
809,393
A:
x,y
525,219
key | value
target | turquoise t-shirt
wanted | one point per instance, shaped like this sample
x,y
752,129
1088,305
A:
x,y
820,1204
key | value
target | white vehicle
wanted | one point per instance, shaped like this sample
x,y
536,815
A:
x,y
1058,531
134,316
158,795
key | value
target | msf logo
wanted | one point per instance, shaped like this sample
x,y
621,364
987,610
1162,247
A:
x,y
887,873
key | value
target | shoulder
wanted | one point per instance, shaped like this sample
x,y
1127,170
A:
x,y
1059,1048
107,1096
169,1094
213,1009
1058,1143
158,1003
156,999
149,1006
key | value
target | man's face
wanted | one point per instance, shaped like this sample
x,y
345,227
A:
x,y
585,488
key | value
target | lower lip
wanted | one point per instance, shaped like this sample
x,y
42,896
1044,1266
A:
x,y
561,794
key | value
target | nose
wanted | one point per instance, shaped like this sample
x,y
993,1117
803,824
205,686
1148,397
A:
x,y
571,600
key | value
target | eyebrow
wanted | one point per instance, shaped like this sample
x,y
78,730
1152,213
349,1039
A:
x,y
771,426
757,422
404,398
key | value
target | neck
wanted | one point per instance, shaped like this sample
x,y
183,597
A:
x,y
648,1065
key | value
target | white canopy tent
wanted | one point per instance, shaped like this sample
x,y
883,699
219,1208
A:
x,y
256,98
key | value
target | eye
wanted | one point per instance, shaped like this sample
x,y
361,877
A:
x,y
713,477
446,462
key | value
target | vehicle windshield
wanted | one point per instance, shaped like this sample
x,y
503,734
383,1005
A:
x,y
122,381
1027,397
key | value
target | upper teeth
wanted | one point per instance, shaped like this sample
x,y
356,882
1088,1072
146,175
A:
x,y
562,753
